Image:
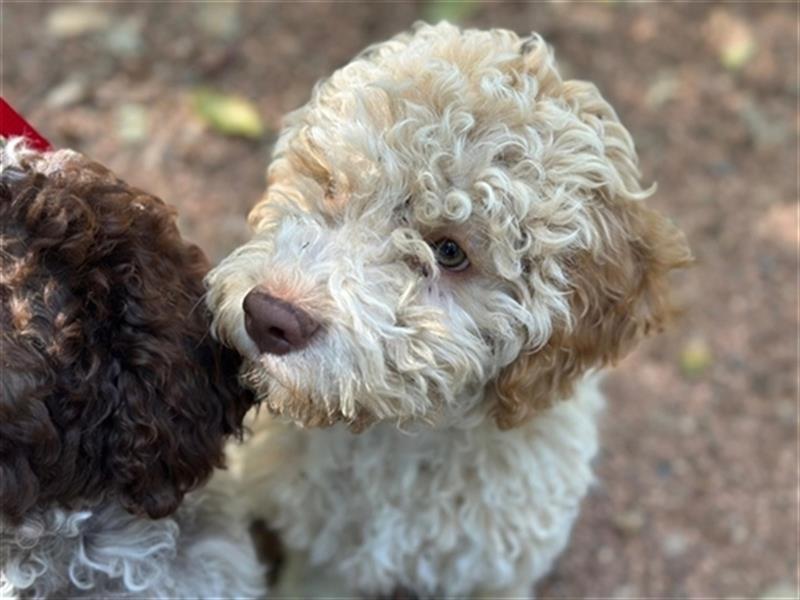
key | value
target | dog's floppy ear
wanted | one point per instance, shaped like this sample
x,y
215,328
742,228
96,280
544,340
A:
x,y
173,388
615,300
617,284
169,427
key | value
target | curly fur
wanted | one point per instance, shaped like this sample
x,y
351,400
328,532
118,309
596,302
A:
x,y
470,510
472,136
202,551
114,397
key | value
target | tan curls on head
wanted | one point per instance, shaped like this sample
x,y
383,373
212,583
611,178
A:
x,y
618,289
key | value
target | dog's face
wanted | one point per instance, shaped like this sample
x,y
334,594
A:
x,y
110,384
448,226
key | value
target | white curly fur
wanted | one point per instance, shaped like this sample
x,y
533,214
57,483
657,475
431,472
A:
x,y
471,136
203,551
473,510
17,158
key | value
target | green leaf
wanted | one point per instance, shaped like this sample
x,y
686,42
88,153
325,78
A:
x,y
230,115
449,10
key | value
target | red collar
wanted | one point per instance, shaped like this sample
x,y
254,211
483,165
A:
x,y
12,124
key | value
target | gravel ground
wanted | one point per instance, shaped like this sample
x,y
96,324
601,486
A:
x,y
697,492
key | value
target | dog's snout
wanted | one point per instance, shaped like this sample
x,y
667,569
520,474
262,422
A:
x,y
276,326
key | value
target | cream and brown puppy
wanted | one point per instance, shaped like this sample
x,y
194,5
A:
x,y
453,240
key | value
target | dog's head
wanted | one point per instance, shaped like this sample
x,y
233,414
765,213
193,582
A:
x,y
111,385
448,225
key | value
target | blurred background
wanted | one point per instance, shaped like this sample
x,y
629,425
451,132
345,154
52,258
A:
x,y
697,492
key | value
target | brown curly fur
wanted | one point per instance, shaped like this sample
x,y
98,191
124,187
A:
x,y
111,386
615,302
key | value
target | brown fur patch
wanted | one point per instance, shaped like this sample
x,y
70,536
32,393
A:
x,y
617,297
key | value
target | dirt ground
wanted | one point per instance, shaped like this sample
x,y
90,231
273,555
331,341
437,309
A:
x,y
697,492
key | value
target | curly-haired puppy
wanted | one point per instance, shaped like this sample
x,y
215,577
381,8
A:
x,y
452,240
114,401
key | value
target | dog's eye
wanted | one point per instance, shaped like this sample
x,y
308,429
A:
x,y
450,255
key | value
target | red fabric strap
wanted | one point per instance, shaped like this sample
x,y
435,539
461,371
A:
x,y
12,124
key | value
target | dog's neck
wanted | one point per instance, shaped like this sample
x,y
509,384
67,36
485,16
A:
x,y
468,410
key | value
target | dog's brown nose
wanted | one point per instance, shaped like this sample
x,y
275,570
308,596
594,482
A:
x,y
276,326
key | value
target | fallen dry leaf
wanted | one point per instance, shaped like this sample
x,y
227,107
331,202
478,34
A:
x,y
695,357
77,19
732,39
231,115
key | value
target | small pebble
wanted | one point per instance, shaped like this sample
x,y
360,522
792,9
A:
x,y
67,93
629,522
674,544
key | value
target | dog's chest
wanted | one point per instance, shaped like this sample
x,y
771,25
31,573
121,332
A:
x,y
470,505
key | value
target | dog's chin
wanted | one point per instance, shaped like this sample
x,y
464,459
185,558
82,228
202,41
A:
x,y
273,383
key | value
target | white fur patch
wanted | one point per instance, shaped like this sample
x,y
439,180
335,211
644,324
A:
x,y
203,551
468,510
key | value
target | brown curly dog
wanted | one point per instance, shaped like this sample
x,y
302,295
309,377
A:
x,y
115,402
